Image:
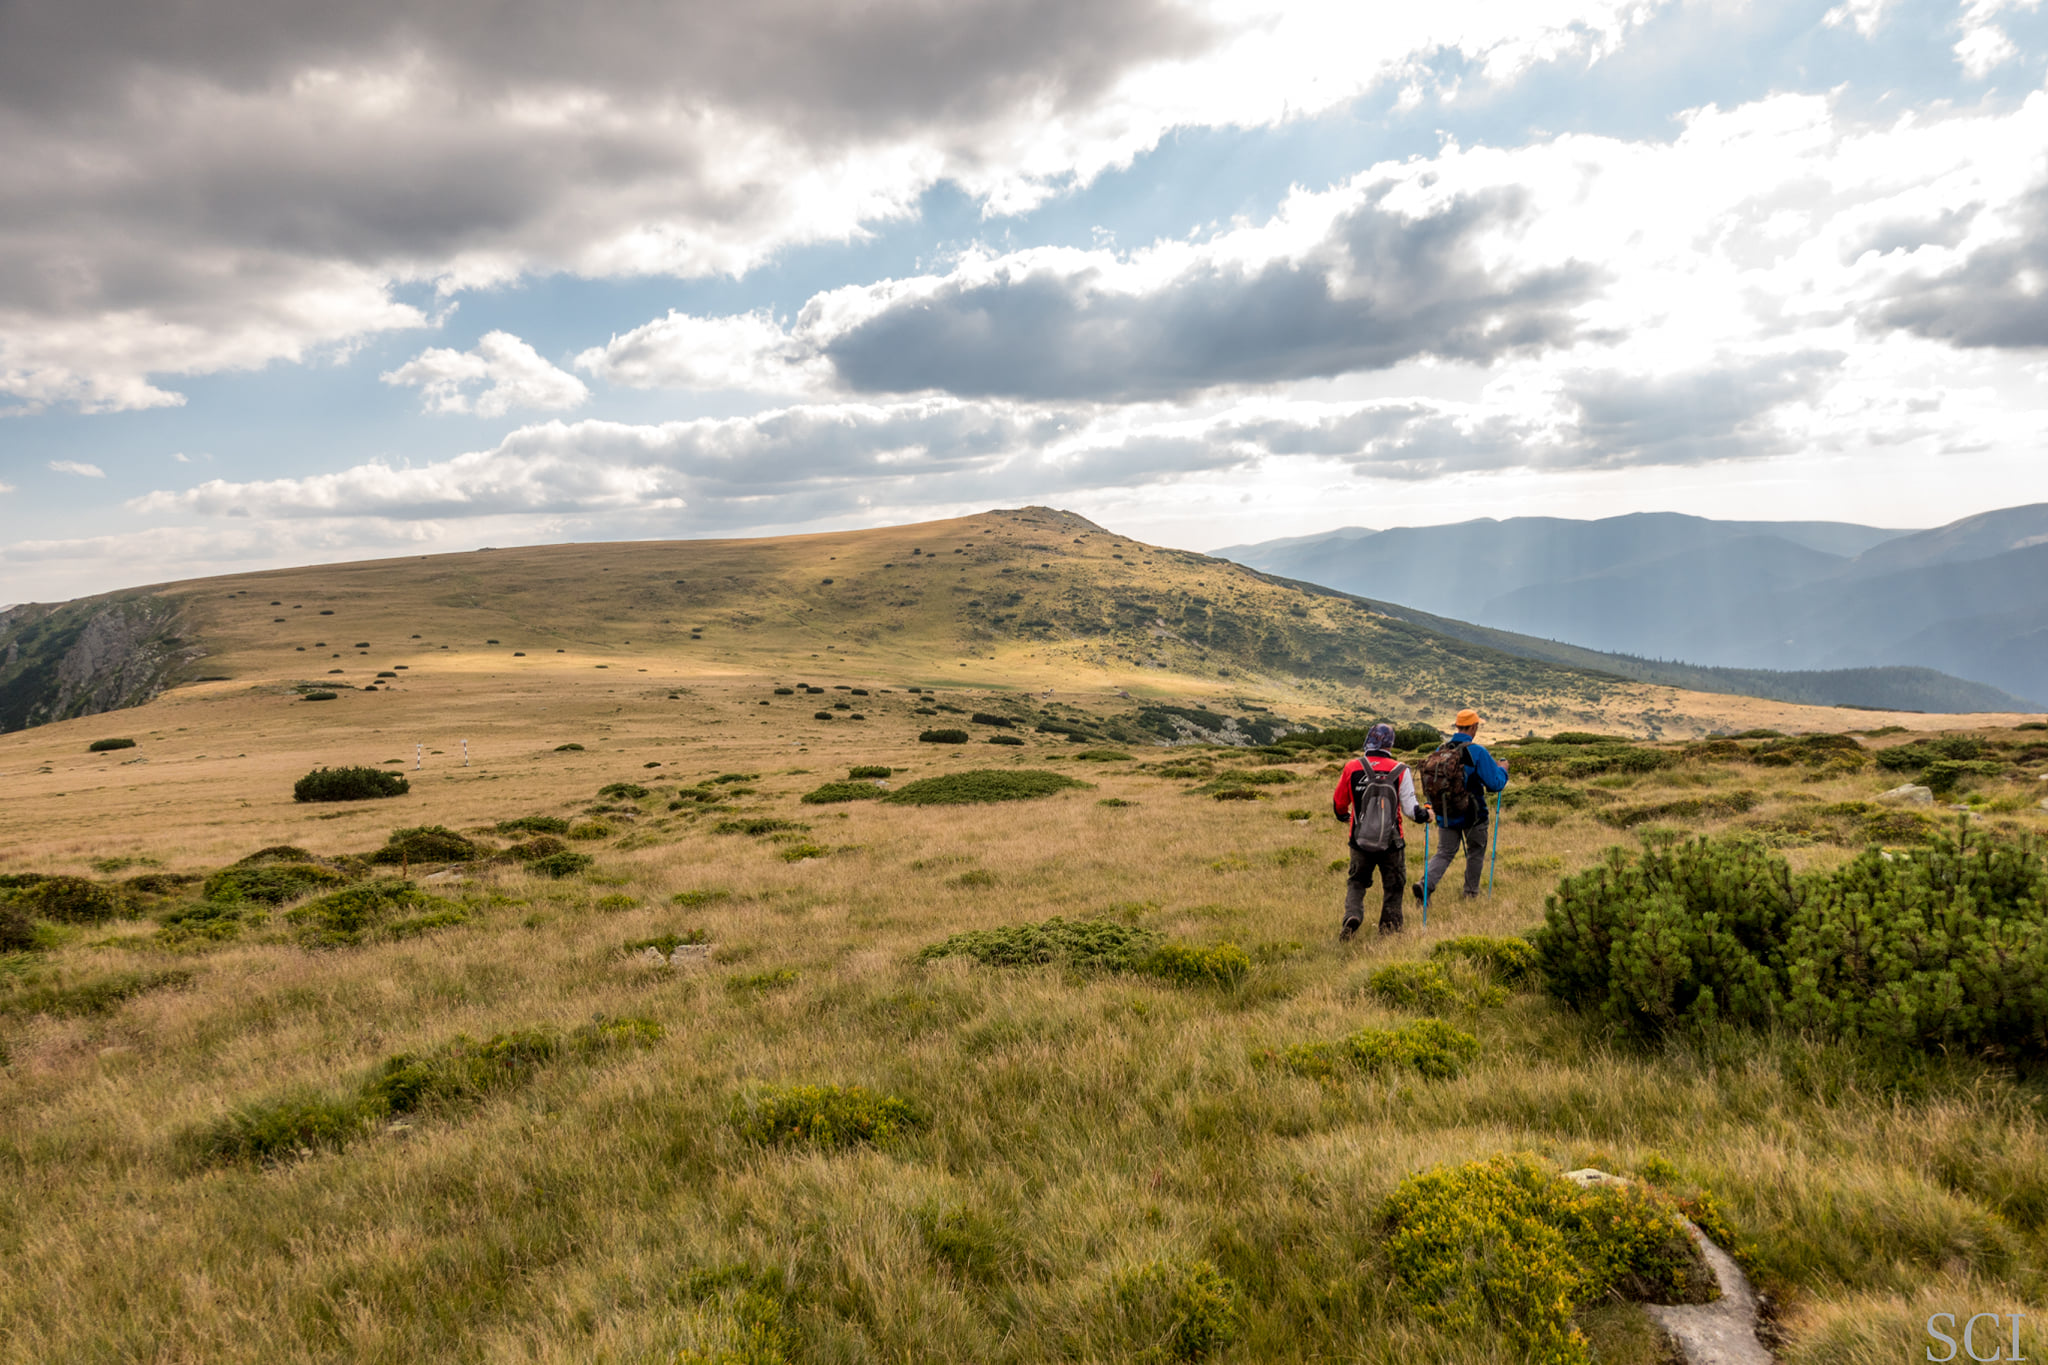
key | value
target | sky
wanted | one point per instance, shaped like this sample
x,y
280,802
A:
x,y
286,283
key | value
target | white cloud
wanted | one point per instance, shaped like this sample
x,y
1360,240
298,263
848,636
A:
x,y
749,351
516,375
207,189
78,467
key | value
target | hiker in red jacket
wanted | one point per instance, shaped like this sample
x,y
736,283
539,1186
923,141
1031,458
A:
x,y
1372,793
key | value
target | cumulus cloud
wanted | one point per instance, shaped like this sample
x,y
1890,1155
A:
x,y
1363,278
227,183
514,372
78,467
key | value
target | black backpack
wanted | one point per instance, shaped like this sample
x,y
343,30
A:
x,y
1376,807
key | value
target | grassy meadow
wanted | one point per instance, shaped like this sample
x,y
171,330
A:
x,y
1041,1162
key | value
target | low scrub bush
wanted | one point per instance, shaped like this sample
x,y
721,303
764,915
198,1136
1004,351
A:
x,y
269,883
72,900
389,907
833,792
1430,1047
1011,740
1172,1310
277,853
942,737
320,694
1941,947
459,1073
1911,758
1103,756
1221,964
160,883
1720,804
92,995
101,746
17,931
348,784
802,851
206,922
625,791
563,864
534,824
538,847
868,770
1510,961
1421,986
428,844
1078,943
706,896
762,825
591,830
821,1115
568,748
1504,1248
984,718
982,785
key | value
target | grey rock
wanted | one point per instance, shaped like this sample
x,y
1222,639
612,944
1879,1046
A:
x,y
1909,795
1722,1332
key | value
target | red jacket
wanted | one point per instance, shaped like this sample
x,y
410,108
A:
x,y
1348,782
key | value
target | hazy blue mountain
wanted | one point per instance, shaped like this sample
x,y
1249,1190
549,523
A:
x,y
1968,599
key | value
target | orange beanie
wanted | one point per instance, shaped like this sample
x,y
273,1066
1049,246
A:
x,y
1467,717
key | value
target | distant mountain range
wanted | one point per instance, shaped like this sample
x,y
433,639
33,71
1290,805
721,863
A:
x,y
1969,599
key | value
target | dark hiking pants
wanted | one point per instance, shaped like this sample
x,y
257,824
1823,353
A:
x,y
1393,870
1474,840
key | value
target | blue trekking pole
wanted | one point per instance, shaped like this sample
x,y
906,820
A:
x,y
1494,856
1425,870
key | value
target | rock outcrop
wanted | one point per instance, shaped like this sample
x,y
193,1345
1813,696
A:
x,y
82,658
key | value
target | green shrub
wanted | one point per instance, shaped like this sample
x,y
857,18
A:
x,y
1011,740
821,1115
761,983
270,884
1222,964
1684,808
1115,802
1503,1247
319,694
867,770
981,785
701,897
1510,961
1414,986
428,844
101,746
588,830
558,865
17,931
534,824
538,847
1943,776
729,779
1078,943
1430,1047
94,995
72,900
1418,736
269,1131
1907,758
348,784
1944,947
1103,756
798,852
277,853
568,748
360,914
759,826
1174,1310
205,922
160,883
627,791
942,737
833,792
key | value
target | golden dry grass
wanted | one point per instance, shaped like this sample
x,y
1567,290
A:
x,y
1079,1125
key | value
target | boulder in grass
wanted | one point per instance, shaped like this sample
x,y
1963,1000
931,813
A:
x,y
1911,794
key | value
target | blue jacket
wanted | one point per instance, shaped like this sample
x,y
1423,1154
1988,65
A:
x,y
1482,775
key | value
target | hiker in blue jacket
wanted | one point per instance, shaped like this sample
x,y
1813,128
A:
x,y
1456,780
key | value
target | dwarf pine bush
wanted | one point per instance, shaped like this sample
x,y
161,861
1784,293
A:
x,y
981,785
428,844
1942,946
1079,943
101,746
72,900
942,737
533,824
1504,1247
563,864
821,1115
268,883
1173,1310
348,784
833,792
372,910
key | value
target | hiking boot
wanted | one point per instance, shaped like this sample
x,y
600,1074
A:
x,y
1349,930
1417,889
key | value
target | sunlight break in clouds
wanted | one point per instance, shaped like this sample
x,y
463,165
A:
x,y
516,375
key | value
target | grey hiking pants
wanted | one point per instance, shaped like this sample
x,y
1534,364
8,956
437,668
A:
x,y
1393,870
1473,838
